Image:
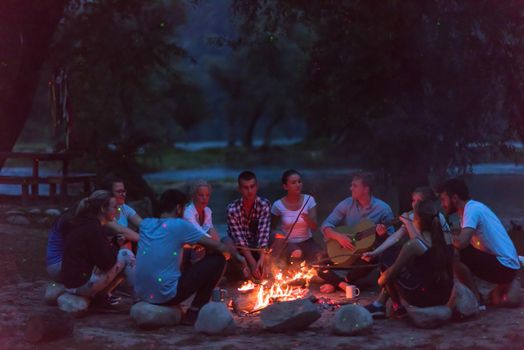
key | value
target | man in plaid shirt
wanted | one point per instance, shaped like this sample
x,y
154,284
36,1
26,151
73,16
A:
x,y
248,222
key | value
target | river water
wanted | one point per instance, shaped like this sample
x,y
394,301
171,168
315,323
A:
x,y
499,185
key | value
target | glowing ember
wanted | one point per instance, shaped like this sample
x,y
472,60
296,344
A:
x,y
282,288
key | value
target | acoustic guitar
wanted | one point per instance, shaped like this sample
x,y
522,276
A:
x,y
362,235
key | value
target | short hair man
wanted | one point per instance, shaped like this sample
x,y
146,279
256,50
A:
x,y
484,245
248,223
158,276
359,206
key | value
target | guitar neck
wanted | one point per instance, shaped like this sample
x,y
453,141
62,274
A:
x,y
372,230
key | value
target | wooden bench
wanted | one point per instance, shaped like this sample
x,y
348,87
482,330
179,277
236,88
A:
x,y
62,180
62,183
59,181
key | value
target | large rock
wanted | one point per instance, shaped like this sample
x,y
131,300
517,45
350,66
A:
x,y
215,318
352,319
52,292
289,315
35,211
507,297
18,220
462,301
15,212
429,317
75,305
52,212
151,316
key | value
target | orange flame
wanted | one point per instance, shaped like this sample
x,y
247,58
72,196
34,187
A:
x,y
281,288
247,286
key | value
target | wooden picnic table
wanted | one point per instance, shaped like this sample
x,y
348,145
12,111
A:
x,y
34,180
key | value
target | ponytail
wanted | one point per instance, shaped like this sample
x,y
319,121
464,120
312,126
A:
x,y
441,259
92,206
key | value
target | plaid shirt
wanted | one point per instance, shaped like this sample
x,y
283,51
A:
x,y
238,225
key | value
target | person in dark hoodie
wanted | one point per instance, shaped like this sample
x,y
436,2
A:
x,y
91,262
158,276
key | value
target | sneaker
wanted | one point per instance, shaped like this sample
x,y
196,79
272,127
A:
x,y
113,300
109,304
190,317
377,312
482,305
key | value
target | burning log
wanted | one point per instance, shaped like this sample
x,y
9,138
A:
x,y
287,286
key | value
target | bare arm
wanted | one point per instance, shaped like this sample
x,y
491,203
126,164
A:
x,y
390,241
135,220
128,234
221,247
462,240
411,229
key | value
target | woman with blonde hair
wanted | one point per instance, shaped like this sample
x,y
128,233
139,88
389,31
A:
x,y
200,215
92,260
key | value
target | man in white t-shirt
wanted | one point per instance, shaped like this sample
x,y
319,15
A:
x,y
485,248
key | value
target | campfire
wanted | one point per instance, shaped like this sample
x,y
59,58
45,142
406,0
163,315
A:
x,y
285,286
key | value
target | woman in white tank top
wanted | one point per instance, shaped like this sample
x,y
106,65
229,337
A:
x,y
296,212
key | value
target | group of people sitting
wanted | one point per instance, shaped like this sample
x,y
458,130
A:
x,y
180,253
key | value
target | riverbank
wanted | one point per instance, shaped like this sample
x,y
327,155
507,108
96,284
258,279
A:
x,y
22,271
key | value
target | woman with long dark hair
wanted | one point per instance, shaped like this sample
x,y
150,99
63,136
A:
x,y
389,250
295,216
422,274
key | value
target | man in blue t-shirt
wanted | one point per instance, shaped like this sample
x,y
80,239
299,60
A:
x,y
158,276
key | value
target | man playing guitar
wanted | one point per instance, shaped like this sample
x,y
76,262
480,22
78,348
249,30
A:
x,y
361,205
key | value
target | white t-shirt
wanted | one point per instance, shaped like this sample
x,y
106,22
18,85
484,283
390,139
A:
x,y
191,215
301,231
490,235
124,213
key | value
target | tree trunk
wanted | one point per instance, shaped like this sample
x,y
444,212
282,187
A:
x,y
27,28
231,128
278,116
250,128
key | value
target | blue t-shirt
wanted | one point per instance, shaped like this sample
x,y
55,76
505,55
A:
x,y
158,257
124,213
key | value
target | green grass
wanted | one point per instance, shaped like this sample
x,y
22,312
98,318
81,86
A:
x,y
294,156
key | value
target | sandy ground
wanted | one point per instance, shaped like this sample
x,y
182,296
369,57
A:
x,y
22,271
